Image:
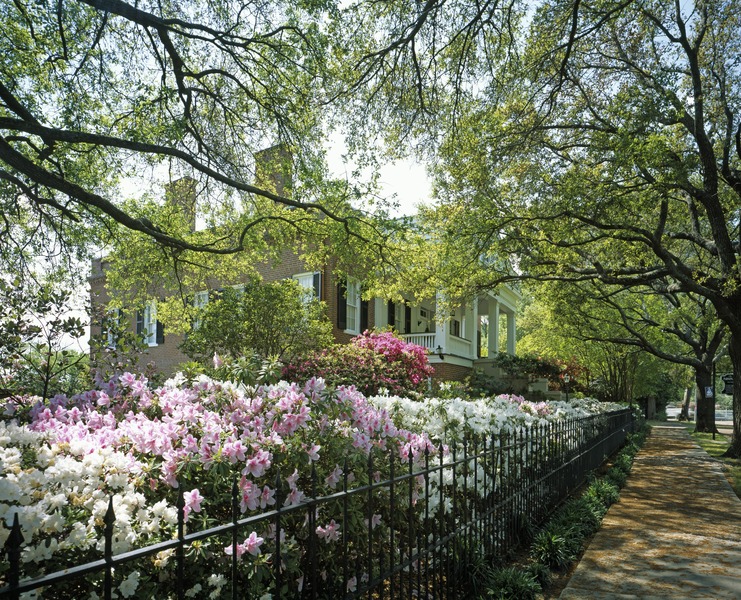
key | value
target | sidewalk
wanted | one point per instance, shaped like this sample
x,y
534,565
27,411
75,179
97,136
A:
x,y
674,534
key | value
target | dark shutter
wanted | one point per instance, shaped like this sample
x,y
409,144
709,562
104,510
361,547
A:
x,y
341,304
140,322
363,315
407,319
160,339
318,286
391,314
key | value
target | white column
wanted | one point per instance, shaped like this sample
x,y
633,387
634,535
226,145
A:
x,y
441,326
493,327
380,312
511,333
474,328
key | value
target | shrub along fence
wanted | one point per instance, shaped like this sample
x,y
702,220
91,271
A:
x,y
412,534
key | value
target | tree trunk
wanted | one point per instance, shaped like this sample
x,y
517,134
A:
x,y
734,350
684,415
705,407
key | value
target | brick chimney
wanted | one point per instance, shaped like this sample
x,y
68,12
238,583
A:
x,y
181,195
274,170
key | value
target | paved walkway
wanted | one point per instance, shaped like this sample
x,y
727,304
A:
x,y
675,532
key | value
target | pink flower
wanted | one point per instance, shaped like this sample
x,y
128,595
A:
x,y
267,497
330,533
334,477
257,465
294,497
375,521
250,495
313,453
127,379
217,361
252,544
192,502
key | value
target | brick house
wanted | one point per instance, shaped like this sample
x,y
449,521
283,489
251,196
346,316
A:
x,y
454,343
457,343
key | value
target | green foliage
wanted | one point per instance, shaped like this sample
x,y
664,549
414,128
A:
x,y
251,370
554,548
603,491
513,583
115,348
270,319
624,462
527,365
616,476
472,569
37,325
580,515
541,573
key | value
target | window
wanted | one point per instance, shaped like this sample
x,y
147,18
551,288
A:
x,y
426,321
349,306
148,325
200,300
353,306
111,326
455,327
312,282
399,317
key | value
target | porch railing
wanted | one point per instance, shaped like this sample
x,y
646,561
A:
x,y
426,340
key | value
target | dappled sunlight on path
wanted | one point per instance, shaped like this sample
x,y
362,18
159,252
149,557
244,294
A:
x,y
675,533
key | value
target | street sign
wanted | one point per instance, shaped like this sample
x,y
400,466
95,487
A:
x,y
727,380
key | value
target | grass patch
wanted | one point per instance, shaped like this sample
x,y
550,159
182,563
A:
x,y
715,448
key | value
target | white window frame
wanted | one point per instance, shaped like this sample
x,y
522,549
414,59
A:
x,y
150,323
114,315
353,292
200,300
306,281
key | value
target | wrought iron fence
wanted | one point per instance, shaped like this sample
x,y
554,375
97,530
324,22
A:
x,y
413,533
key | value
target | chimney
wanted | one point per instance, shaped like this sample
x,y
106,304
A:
x,y
181,195
274,170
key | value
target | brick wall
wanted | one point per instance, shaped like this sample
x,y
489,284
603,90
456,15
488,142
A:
x,y
168,356
449,372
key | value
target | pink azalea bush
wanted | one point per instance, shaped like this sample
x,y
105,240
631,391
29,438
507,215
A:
x,y
373,361
61,461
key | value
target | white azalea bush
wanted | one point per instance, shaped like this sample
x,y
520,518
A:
x,y
62,462
451,419
488,423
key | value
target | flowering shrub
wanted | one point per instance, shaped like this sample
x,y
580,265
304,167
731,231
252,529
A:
x,y
527,365
372,361
280,444
61,461
451,419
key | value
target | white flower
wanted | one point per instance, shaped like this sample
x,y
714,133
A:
x,y
128,586
218,581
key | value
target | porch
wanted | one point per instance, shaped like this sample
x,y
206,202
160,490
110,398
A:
x,y
466,335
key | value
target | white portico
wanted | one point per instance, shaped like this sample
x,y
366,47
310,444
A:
x,y
465,335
